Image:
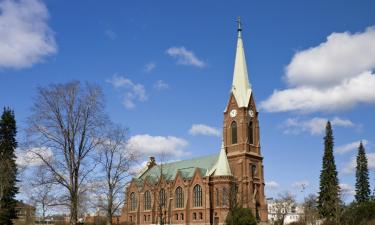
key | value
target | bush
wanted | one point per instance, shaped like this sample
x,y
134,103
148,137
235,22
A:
x,y
241,216
297,223
359,214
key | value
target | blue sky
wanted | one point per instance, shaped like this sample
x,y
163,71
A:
x,y
166,66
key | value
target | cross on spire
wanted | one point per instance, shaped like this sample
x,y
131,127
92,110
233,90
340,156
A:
x,y
239,29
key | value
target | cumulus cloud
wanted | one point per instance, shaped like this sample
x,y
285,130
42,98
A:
x,y
350,166
314,126
272,184
30,156
157,145
342,149
185,57
149,67
161,85
202,129
25,37
333,76
132,91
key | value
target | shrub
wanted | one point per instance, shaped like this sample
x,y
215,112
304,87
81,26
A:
x,y
240,216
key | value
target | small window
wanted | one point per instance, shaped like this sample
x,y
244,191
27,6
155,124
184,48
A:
x,y
217,197
194,216
148,217
176,216
145,219
201,216
225,196
182,216
234,132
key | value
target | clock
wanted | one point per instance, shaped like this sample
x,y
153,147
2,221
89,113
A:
x,y
251,113
233,113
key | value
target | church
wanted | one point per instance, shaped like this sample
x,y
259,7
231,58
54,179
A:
x,y
203,190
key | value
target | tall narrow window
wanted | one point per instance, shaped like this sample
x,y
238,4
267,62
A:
x,y
217,197
147,200
179,197
162,197
225,197
250,133
197,195
133,202
234,132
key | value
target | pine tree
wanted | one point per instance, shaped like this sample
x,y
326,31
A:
x,y
362,185
8,168
329,201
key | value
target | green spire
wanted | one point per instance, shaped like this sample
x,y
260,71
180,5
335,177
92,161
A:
x,y
362,185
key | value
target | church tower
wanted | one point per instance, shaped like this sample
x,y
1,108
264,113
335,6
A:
x,y
241,137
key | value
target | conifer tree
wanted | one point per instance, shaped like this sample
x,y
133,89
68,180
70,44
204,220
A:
x,y
8,168
362,185
329,200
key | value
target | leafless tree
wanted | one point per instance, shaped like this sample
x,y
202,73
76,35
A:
x,y
310,210
68,119
284,204
162,197
115,161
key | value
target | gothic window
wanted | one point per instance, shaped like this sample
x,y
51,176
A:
x,y
217,197
250,133
182,216
133,202
162,197
147,200
197,195
225,196
233,127
201,216
253,170
179,198
194,216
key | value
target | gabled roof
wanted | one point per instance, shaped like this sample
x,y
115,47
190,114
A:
x,y
221,168
185,167
241,87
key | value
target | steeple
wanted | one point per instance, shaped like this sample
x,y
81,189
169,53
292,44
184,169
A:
x,y
241,87
221,168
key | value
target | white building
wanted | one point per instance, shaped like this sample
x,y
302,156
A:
x,y
294,212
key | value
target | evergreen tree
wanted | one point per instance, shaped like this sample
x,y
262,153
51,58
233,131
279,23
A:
x,y
329,201
8,168
362,185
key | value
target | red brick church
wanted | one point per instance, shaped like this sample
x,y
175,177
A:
x,y
203,190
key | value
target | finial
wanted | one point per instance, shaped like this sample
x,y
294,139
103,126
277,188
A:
x,y
239,29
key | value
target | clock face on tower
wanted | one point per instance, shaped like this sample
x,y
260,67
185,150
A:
x,y
233,113
251,113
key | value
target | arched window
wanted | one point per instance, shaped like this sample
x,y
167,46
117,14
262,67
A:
x,y
225,197
250,133
162,197
147,200
233,128
217,197
133,202
197,195
179,198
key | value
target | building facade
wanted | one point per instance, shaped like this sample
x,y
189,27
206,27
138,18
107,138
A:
x,y
203,190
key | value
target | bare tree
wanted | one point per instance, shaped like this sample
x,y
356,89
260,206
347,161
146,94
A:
x,y
68,119
284,204
115,160
310,209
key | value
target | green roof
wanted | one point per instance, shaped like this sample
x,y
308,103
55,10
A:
x,y
186,167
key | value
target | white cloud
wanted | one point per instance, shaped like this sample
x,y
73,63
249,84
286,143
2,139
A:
x,y
202,129
347,189
333,76
350,147
272,184
29,157
161,85
25,37
133,91
185,57
350,167
149,67
314,126
303,184
157,145
110,34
